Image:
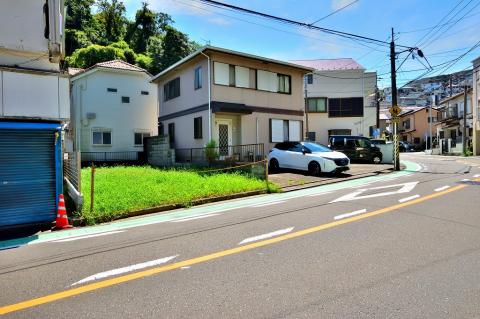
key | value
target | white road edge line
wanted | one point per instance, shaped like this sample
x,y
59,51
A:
x,y
123,270
265,236
271,203
465,180
186,219
357,212
406,199
87,236
441,188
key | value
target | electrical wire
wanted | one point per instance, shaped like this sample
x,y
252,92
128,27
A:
x,y
302,24
332,13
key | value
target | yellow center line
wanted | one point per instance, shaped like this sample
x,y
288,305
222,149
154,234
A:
x,y
141,274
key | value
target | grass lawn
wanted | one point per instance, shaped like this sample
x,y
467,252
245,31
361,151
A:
x,y
122,189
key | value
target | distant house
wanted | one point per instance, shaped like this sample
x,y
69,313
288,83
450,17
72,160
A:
x,y
414,126
114,108
231,97
340,99
450,130
476,107
34,108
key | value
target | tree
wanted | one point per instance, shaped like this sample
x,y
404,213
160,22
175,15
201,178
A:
x,y
75,39
111,18
155,53
79,15
175,46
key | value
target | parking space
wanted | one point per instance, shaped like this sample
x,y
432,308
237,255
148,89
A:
x,y
292,179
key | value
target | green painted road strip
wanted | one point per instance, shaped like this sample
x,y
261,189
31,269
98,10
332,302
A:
x,y
226,207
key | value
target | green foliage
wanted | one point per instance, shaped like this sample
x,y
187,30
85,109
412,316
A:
x,y
175,46
144,61
111,17
148,41
119,190
86,57
211,151
79,15
75,39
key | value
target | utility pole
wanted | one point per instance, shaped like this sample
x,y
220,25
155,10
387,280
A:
x,y
464,130
377,101
396,156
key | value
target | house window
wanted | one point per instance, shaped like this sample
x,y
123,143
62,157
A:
x,y
171,133
339,132
345,107
125,99
197,127
144,93
221,73
406,124
309,78
317,105
139,136
283,83
285,131
432,119
267,81
198,78
112,90
102,138
231,75
161,130
171,89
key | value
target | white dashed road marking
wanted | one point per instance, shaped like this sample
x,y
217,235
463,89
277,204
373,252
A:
x,y
265,236
442,188
88,236
357,212
123,270
406,199
271,203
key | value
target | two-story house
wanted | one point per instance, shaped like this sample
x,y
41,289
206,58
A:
x,y
34,105
450,129
414,126
231,97
340,98
476,107
114,109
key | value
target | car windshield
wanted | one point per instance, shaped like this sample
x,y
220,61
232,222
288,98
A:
x,y
316,147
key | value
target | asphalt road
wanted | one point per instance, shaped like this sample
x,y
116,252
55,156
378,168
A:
x,y
405,246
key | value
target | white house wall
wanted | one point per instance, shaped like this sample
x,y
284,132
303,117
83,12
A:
x,y
328,84
24,43
27,95
184,130
89,95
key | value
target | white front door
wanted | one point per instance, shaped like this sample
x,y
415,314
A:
x,y
223,130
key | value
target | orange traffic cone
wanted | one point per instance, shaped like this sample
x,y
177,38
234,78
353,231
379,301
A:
x,y
62,220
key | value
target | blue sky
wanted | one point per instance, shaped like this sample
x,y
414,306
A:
x,y
372,18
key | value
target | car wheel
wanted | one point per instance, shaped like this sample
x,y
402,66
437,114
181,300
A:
x,y
314,169
274,166
377,159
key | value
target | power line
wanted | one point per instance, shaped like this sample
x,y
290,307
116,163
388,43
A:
x,y
302,24
332,13
432,27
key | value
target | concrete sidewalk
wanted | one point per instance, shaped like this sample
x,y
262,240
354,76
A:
x,y
290,180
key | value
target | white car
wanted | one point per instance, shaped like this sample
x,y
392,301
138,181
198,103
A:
x,y
307,156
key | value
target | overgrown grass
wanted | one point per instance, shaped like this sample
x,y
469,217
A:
x,y
122,189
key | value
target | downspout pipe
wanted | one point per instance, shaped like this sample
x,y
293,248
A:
x,y
209,98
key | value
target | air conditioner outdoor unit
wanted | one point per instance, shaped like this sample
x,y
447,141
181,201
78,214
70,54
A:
x,y
91,116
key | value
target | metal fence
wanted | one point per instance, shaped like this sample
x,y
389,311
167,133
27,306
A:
x,y
72,168
247,153
129,156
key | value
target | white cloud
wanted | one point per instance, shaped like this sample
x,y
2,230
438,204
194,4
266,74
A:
x,y
337,4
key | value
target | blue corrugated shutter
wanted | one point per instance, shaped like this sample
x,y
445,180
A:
x,y
27,176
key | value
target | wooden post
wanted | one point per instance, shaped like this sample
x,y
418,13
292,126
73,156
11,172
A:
x,y
92,186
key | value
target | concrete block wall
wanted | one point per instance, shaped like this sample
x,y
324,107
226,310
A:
x,y
158,151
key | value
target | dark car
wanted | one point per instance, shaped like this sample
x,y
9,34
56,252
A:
x,y
378,142
406,146
357,148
